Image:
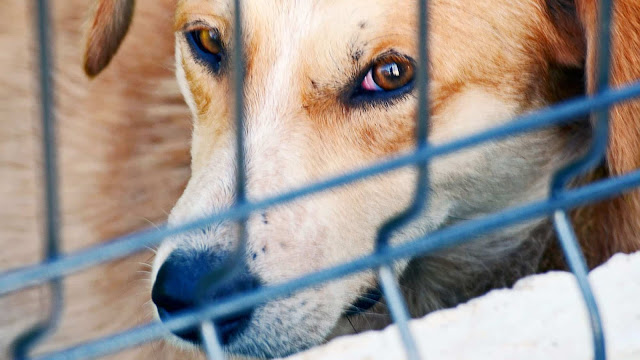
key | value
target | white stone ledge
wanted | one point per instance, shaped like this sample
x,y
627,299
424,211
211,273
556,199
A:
x,y
541,317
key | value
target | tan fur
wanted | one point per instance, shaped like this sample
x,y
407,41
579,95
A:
x,y
124,144
123,149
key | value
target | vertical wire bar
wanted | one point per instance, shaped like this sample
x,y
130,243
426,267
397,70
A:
x,y
422,127
239,69
398,309
23,344
564,230
604,45
212,347
601,117
241,177
578,266
233,263
390,288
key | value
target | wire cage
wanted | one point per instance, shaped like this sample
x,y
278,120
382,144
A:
x,y
55,266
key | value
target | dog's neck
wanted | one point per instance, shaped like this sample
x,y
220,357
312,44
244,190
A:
x,y
465,272
450,277
453,276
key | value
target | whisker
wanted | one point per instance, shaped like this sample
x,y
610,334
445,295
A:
x,y
350,323
151,222
154,251
145,280
373,314
376,302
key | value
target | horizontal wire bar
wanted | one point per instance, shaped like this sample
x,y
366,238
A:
x,y
437,240
128,244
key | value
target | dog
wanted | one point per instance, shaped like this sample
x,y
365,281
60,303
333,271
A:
x,y
330,87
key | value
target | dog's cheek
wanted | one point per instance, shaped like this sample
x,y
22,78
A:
x,y
181,77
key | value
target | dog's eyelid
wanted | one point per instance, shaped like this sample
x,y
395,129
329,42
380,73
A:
x,y
202,22
198,25
391,54
388,54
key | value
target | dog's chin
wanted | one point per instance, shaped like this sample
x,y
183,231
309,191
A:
x,y
182,344
188,341
238,349
253,344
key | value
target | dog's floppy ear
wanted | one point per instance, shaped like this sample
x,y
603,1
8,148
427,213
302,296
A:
x,y
107,28
577,24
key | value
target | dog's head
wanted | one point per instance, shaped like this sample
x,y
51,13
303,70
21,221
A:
x,y
329,88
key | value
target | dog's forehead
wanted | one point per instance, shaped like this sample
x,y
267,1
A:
x,y
342,31
270,25
335,11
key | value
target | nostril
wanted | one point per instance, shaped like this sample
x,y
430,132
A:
x,y
166,302
176,285
168,293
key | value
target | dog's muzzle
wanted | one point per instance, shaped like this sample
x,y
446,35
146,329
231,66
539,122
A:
x,y
178,287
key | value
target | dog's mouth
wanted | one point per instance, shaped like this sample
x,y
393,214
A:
x,y
234,335
228,328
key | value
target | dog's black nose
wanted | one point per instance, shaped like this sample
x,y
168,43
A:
x,y
178,287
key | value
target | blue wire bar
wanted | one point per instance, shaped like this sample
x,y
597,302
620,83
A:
x,y
422,126
390,288
434,241
122,246
562,224
398,309
231,265
24,343
210,341
601,115
578,267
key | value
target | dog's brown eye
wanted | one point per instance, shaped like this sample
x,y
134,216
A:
x,y
209,41
206,47
389,73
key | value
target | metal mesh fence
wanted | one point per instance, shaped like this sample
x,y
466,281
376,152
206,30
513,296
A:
x,y
56,265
